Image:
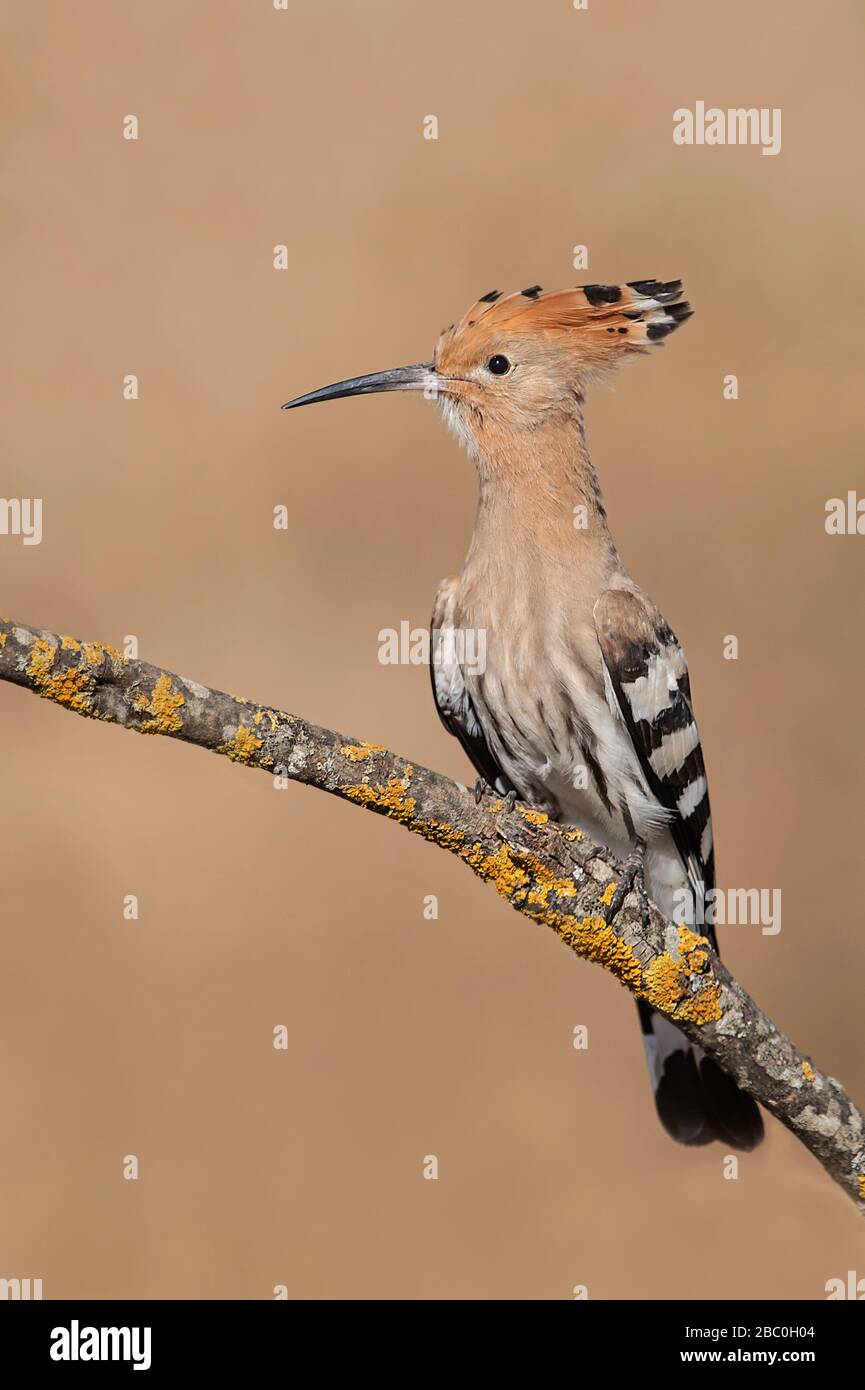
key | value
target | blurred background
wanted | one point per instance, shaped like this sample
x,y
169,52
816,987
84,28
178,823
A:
x,y
407,1037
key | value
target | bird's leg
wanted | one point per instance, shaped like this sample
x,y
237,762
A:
x,y
633,879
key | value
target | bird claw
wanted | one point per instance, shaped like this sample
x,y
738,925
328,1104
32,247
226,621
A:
x,y
632,880
481,787
607,857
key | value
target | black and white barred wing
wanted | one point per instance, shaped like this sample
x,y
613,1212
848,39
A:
x,y
452,698
648,687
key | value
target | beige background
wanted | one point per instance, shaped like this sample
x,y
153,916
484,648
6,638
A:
x,y
407,1037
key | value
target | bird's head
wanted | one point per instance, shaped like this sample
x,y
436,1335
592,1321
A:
x,y
515,360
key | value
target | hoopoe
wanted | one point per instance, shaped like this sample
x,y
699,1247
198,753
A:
x,y
583,708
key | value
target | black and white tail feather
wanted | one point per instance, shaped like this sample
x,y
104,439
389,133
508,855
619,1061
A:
x,y
647,677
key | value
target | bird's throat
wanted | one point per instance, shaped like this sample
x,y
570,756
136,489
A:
x,y
540,506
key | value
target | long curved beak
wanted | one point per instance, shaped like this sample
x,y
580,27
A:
x,y
419,377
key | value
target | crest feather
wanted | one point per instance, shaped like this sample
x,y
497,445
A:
x,y
608,318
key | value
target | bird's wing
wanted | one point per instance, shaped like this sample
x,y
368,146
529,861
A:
x,y
453,701
648,687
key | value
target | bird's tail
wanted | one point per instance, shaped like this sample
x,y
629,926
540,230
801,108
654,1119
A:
x,y
696,1101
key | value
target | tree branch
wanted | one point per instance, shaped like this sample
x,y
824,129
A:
x,y
551,873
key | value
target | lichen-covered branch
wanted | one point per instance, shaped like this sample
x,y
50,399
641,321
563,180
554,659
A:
x,y
549,872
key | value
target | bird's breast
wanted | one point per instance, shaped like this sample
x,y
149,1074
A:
x,y
540,698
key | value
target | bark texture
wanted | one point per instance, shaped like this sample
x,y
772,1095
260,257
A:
x,y
550,873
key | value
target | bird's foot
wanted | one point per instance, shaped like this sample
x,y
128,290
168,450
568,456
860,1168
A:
x,y
607,857
632,880
482,786
509,800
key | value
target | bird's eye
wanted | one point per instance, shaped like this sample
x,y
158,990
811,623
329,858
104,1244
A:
x,y
498,365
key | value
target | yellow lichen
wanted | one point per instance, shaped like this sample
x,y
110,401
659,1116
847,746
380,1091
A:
x,y
506,876
42,656
596,941
242,747
541,894
70,644
609,892
689,940
391,799
861,1182
513,873
359,752
667,982
393,802
69,687
96,652
259,717
440,833
162,705
533,817
808,1072
2,639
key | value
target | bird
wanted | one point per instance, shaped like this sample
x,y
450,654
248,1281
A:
x,y
582,706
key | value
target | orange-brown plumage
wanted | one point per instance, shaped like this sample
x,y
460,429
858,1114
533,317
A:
x,y
594,326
